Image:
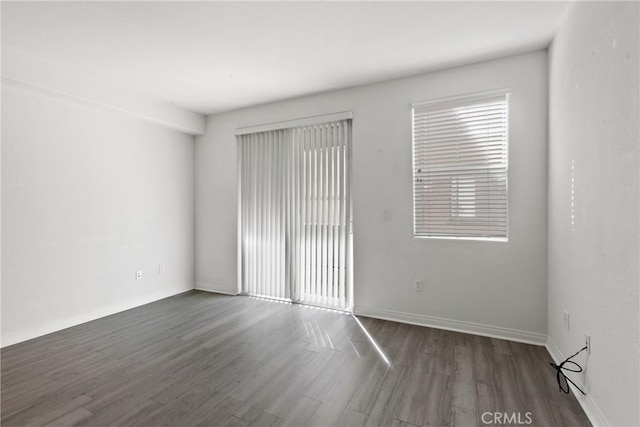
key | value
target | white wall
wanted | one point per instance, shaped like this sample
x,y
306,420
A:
x,y
487,287
593,202
37,74
89,196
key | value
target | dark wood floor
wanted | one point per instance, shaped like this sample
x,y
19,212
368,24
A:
x,y
207,359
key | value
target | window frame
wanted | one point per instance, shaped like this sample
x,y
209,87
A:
x,y
461,101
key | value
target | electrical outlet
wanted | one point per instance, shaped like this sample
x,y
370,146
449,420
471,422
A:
x,y
386,215
162,268
566,319
419,286
138,274
587,343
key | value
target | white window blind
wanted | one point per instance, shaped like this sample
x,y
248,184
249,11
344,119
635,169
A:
x,y
460,167
295,214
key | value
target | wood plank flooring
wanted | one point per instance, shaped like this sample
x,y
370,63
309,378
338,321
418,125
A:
x,y
202,359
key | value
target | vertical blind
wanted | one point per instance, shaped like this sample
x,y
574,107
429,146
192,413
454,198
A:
x,y
460,167
295,214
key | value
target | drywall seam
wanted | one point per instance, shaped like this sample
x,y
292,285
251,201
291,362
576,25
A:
x,y
453,325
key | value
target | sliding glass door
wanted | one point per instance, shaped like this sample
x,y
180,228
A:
x,y
295,214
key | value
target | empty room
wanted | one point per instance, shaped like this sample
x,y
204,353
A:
x,y
320,213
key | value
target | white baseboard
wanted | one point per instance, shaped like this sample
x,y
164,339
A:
x,y
20,336
589,406
212,287
454,325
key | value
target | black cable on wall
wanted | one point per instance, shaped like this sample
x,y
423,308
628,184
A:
x,y
569,366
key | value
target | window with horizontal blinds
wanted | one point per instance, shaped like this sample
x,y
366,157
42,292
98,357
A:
x,y
460,167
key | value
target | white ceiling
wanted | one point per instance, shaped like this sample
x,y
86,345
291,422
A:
x,y
209,57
